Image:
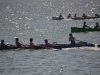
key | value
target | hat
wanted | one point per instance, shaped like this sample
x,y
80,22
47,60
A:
x,y
16,38
70,34
45,40
2,40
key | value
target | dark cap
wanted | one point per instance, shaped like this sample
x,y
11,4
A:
x,y
45,40
70,34
31,39
2,40
16,38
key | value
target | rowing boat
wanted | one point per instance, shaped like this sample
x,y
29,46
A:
x,y
57,18
57,46
82,18
76,29
76,18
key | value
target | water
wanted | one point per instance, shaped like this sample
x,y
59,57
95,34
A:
x,y
33,18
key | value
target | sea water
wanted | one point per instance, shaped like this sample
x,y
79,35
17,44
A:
x,y
27,19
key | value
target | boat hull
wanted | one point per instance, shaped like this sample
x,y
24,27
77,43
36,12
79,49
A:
x,y
57,18
77,18
76,29
81,18
57,46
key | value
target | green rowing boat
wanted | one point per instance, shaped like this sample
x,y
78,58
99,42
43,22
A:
x,y
76,29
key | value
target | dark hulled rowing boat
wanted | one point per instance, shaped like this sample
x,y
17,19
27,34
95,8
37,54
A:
x,y
82,18
77,18
57,18
57,46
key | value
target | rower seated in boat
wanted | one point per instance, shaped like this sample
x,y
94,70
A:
x,y
69,16
31,43
47,43
18,44
84,15
86,26
97,26
61,16
72,39
3,44
75,16
97,15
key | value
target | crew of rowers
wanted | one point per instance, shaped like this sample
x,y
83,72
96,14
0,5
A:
x,y
75,16
47,44
88,27
18,44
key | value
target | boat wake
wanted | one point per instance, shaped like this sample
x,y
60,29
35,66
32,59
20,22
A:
x,y
83,48
90,48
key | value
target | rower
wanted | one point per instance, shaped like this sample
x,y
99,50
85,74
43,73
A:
x,y
2,43
31,43
69,16
72,39
97,15
86,26
97,26
61,16
84,16
18,44
75,16
47,43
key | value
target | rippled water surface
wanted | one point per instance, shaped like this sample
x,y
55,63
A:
x,y
33,18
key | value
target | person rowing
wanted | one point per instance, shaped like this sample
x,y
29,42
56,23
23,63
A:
x,y
97,15
86,26
72,39
47,43
97,26
75,16
2,43
61,16
69,16
18,44
84,16
31,43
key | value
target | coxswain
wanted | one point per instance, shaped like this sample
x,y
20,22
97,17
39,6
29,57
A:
x,y
31,43
72,39
86,26
47,43
2,43
97,26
